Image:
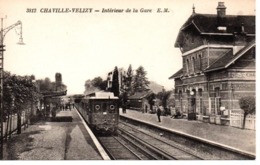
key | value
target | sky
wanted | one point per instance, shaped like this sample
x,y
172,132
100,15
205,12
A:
x,y
83,46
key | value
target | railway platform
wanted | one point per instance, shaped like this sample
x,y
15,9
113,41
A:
x,y
60,140
244,140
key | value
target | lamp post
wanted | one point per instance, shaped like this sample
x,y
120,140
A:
x,y
192,113
3,33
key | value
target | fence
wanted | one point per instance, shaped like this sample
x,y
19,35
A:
x,y
12,124
236,120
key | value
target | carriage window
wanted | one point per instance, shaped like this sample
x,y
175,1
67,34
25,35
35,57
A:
x,y
112,108
104,107
97,108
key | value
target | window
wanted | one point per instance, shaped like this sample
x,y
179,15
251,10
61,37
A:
x,y
200,102
193,64
200,63
104,107
217,101
97,108
187,66
180,99
180,95
193,100
217,92
112,108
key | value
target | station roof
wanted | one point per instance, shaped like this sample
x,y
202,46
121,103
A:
x,y
178,74
227,59
208,24
140,95
222,62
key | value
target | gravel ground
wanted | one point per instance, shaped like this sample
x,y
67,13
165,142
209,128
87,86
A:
x,y
52,141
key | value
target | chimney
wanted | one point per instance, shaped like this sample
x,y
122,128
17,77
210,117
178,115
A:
x,y
221,10
193,9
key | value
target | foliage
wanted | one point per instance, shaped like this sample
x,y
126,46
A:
x,y
47,85
123,96
95,85
171,102
99,83
18,91
247,103
151,100
140,82
88,86
128,79
115,82
164,96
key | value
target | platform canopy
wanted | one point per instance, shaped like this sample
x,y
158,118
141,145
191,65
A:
x,y
54,93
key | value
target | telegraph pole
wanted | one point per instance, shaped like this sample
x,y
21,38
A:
x,y
2,36
1,89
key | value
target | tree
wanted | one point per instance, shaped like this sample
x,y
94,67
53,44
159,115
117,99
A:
x,y
247,103
151,100
140,82
164,96
46,85
99,83
95,85
115,82
89,88
129,80
19,93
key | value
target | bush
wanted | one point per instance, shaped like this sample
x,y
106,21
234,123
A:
x,y
247,103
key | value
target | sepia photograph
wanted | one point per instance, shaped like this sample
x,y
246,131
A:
x,y
96,80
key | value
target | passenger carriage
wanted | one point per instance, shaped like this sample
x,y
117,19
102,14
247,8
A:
x,y
101,111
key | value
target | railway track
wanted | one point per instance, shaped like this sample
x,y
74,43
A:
x,y
201,148
141,141
118,149
133,144
156,147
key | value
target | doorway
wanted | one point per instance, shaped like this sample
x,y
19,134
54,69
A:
x,y
192,105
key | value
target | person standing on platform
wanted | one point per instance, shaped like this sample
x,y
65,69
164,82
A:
x,y
124,108
124,101
159,113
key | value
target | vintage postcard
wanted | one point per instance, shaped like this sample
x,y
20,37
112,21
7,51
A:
x,y
128,80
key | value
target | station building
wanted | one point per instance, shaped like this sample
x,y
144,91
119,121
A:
x,y
218,65
141,101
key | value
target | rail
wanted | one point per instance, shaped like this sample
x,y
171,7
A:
x,y
203,146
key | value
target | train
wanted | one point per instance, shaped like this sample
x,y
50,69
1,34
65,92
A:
x,y
100,110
